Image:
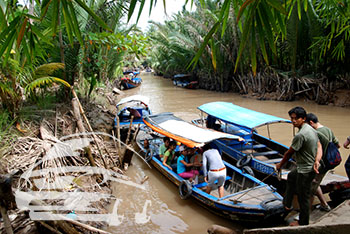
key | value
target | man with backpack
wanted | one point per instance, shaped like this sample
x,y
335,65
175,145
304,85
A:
x,y
325,136
308,152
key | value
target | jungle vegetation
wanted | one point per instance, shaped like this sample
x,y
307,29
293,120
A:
x,y
47,46
285,48
274,48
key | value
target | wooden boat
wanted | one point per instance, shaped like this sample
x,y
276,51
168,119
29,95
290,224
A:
x,y
245,199
185,81
137,103
258,152
130,80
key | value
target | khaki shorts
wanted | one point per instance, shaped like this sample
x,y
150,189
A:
x,y
316,182
220,176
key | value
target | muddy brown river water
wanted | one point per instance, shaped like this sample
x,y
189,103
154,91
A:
x,y
166,211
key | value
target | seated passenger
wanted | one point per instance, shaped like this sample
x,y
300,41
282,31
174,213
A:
x,y
163,147
211,123
134,112
169,156
195,158
184,166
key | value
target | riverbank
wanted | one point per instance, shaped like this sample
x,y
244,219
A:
x,y
336,221
339,98
277,87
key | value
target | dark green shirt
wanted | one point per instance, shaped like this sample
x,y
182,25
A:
x,y
305,145
326,135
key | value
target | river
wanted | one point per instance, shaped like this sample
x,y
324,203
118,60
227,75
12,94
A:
x,y
167,212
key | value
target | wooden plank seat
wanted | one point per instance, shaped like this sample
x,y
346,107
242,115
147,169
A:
x,y
247,147
273,161
201,185
265,153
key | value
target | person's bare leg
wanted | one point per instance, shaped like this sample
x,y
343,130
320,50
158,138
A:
x,y
221,191
208,190
320,197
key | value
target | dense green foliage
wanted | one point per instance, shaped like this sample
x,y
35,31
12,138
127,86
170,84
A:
x,y
224,40
63,42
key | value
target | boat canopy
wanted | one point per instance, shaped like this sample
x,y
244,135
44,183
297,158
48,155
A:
x,y
134,98
178,76
189,134
240,116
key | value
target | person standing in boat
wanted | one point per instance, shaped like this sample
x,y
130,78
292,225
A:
x,y
325,135
347,163
217,170
308,153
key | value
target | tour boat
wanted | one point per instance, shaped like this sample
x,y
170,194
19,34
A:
x,y
257,152
137,103
245,198
185,81
130,81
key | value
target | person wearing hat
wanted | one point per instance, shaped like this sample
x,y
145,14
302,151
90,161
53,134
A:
x,y
183,163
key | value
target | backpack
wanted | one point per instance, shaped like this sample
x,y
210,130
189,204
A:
x,y
331,158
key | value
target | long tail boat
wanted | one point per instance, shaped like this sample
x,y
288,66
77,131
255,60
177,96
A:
x,y
245,198
257,152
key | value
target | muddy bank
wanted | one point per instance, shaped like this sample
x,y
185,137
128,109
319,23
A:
x,y
271,85
48,146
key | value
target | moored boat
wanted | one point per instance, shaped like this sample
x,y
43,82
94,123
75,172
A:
x,y
245,198
130,80
258,152
185,81
126,107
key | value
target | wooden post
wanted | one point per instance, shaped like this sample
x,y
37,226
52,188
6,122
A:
x,y
129,131
7,222
6,198
118,136
136,132
127,156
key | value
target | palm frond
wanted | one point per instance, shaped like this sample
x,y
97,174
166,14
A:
x,y
47,69
44,81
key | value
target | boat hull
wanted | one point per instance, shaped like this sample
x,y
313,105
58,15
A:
x,y
239,212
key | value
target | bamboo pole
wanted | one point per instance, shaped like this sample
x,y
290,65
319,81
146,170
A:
x,y
118,136
118,149
49,227
81,128
82,112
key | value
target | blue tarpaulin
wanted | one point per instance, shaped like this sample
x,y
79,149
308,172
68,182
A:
x,y
240,116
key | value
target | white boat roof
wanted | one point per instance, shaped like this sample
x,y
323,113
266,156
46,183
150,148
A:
x,y
189,134
134,98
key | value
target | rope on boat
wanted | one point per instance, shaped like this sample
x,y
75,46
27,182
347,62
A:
x,y
237,199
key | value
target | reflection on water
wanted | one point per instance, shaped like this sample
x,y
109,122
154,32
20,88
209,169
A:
x,y
168,213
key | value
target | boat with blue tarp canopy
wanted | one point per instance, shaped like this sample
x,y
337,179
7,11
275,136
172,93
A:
x,y
238,115
258,152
